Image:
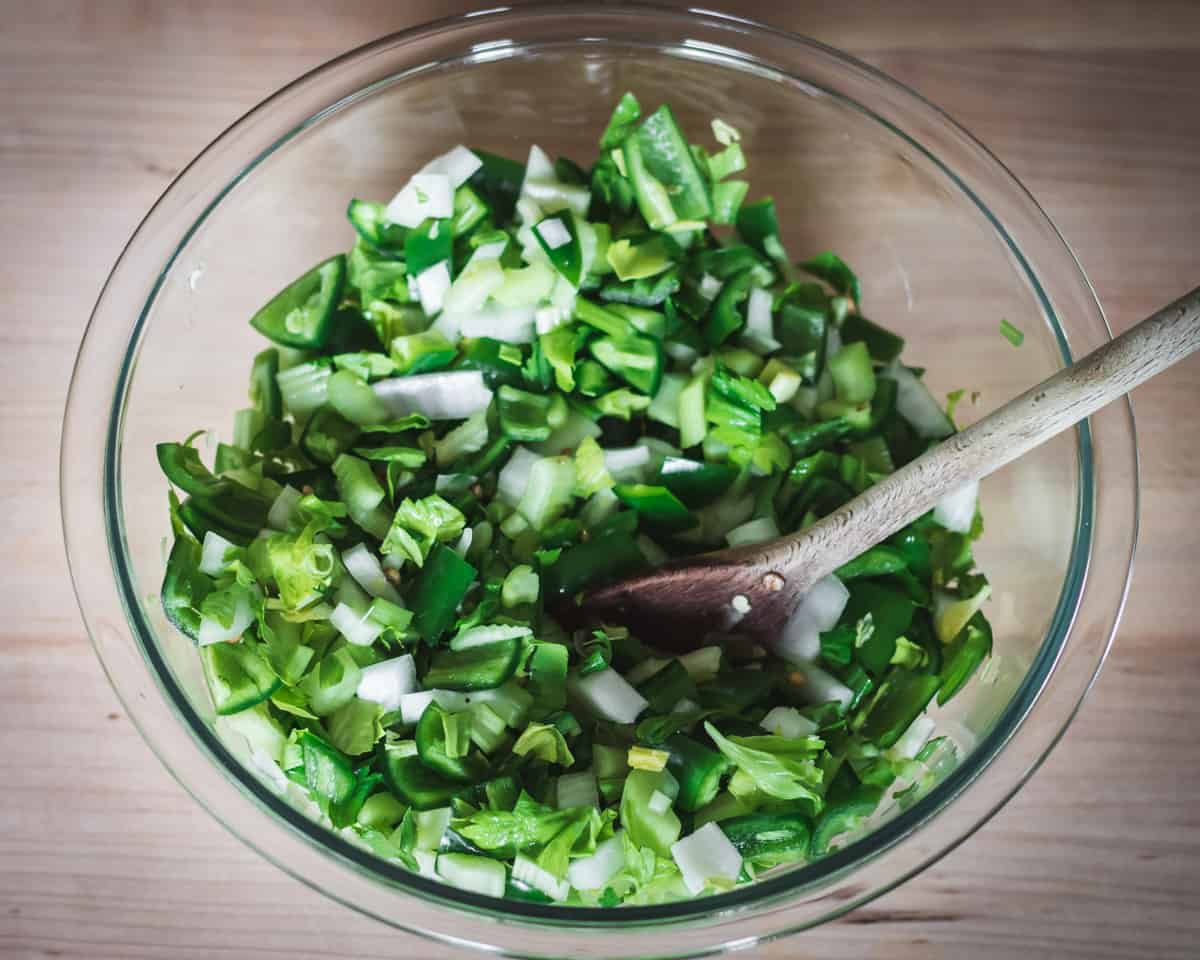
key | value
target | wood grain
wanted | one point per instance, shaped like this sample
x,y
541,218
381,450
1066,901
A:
x,y
1095,106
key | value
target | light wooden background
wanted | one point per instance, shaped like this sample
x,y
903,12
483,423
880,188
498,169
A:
x,y
1096,106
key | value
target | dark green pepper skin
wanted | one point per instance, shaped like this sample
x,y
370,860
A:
x,y
698,769
431,747
301,314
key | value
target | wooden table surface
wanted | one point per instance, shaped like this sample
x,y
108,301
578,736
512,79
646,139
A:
x,y
1095,106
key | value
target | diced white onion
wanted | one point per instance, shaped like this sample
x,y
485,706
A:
x,y
543,188
548,318
607,694
818,610
426,862
554,233
212,555
213,632
710,286
627,460
752,531
680,352
451,395
593,872
659,802
464,542
482,636
433,283
706,855
822,687
509,324
758,313
474,873
787,722
425,195
280,514
702,664
913,739
526,871
478,280
412,705
386,683
367,572
457,164
916,404
577,790
955,511
514,477
358,629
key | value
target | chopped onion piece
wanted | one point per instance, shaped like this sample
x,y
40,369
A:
x,y
386,683
425,195
818,610
457,164
433,284
554,233
956,511
280,514
367,572
449,395
514,477
509,324
213,632
706,855
212,556
593,872
607,694
752,531
359,630
787,722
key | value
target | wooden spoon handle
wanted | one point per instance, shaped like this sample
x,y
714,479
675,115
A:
x,y
982,448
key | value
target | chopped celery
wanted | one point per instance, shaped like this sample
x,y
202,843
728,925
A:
x,y
525,380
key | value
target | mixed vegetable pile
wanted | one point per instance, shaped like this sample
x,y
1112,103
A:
x,y
522,381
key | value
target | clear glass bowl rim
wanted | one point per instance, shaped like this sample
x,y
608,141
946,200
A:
x,y
765,892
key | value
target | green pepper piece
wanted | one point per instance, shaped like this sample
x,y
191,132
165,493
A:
x,y
769,839
728,313
635,359
667,687
890,611
443,583
481,667
427,244
300,314
327,435
498,180
698,770
883,345
184,587
238,678
417,785
371,223
696,483
430,736
657,505
878,561
566,258
598,560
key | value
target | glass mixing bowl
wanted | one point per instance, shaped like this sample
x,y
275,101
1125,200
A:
x,y
947,242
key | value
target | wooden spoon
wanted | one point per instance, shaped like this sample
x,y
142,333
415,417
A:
x,y
677,606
